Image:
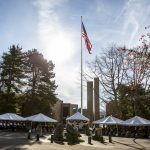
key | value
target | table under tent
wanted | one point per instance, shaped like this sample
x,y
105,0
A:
x,y
12,121
79,120
127,128
136,127
41,122
107,123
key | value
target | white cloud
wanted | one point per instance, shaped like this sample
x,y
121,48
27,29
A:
x,y
58,45
134,13
56,42
62,46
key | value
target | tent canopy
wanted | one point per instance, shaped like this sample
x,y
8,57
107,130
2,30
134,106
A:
x,y
109,120
136,121
11,117
40,118
77,116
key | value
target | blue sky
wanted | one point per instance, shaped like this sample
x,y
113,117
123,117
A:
x,y
53,27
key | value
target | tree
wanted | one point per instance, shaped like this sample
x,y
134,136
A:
x,y
129,108
11,78
12,70
27,84
40,91
110,68
119,66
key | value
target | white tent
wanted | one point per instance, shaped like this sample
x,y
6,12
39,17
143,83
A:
x,y
136,121
11,117
77,116
109,120
40,118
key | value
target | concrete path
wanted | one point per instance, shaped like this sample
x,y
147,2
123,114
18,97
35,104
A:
x,y
19,141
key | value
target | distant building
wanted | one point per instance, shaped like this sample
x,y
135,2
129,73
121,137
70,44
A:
x,y
68,110
84,111
90,112
96,99
57,111
93,100
102,114
63,110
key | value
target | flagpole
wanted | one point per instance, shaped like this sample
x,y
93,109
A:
x,y
81,72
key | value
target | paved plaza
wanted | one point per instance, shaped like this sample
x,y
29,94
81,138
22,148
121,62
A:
x,y
19,141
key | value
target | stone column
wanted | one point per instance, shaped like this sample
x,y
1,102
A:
x,y
90,100
96,99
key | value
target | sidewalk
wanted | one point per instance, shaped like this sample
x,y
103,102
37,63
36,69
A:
x,y
19,141
117,143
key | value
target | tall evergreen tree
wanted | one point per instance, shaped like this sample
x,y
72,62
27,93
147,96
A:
x,y
40,90
11,78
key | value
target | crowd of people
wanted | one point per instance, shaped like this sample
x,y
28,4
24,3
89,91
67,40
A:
x,y
113,130
126,131
25,126
4,125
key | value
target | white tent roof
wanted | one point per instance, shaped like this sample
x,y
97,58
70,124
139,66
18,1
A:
x,y
136,121
110,120
77,116
40,118
11,117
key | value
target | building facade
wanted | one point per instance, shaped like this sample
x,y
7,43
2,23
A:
x,y
63,110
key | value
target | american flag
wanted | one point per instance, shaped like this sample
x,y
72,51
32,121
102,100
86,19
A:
x,y
86,39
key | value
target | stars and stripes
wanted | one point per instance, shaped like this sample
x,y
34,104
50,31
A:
x,y
86,39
